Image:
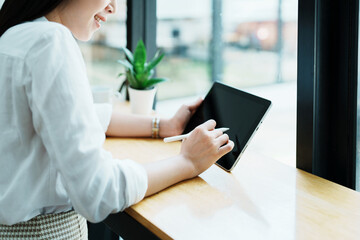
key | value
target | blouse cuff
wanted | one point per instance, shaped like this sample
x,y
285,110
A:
x,y
136,181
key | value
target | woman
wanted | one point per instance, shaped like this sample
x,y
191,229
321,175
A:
x,y
53,170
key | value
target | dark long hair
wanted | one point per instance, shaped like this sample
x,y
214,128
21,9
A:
x,y
14,12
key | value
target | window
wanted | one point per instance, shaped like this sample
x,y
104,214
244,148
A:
x,y
247,44
104,49
183,33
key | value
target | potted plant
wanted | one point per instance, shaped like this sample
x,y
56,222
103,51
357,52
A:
x,y
139,76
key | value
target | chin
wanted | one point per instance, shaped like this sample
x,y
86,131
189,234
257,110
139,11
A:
x,y
83,37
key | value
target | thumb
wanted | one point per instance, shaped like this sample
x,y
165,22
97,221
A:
x,y
193,106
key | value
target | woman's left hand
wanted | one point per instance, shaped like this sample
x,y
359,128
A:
x,y
176,124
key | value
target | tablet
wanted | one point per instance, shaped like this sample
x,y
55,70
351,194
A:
x,y
238,110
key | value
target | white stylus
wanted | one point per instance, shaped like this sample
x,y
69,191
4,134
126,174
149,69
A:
x,y
181,137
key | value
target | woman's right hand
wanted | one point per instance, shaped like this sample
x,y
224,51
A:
x,y
204,147
199,151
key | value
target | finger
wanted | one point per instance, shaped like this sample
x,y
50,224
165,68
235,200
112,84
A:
x,y
217,133
226,148
208,125
221,140
193,106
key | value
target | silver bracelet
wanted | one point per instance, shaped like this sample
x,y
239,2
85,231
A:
x,y
155,127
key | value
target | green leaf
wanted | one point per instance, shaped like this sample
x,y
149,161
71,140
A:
x,y
157,54
153,81
139,57
139,73
126,64
128,54
154,61
142,79
151,73
132,81
121,74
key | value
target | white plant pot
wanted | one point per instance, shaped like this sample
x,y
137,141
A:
x,y
141,101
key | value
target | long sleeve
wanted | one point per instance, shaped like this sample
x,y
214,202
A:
x,y
63,116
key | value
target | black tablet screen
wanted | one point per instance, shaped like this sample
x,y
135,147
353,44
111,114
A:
x,y
229,107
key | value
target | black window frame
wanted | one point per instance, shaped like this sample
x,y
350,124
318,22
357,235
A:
x,y
327,89
141,24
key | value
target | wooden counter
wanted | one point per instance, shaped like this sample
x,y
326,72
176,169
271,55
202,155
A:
x,y
260,199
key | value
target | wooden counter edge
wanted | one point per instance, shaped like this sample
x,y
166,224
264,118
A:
x,y
151,227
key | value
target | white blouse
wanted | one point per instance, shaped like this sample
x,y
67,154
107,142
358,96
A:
x,y
51,155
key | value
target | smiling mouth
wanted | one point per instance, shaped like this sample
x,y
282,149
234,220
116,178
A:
x,y
97,19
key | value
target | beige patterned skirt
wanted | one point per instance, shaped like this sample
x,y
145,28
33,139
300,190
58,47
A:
x,y
69,225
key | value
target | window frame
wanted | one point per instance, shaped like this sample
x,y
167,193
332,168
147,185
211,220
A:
x,y
327,89
141,24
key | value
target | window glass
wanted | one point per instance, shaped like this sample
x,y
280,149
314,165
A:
x,y
248,44
255,52
183,33
104,49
